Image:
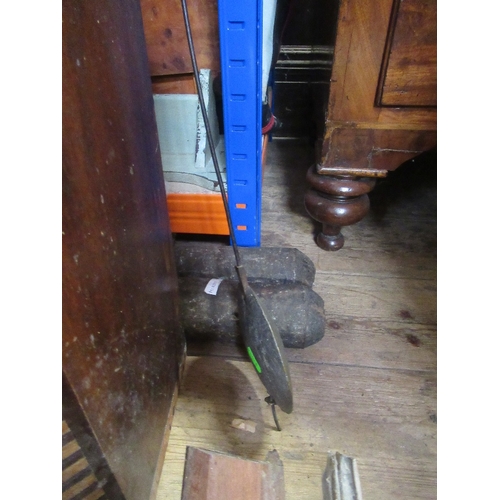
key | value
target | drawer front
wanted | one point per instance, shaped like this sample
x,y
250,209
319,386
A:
x,y
409,69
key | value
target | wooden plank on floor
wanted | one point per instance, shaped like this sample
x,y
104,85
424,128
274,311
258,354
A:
x,y
377,344
354,341
400,248
387,298
212,475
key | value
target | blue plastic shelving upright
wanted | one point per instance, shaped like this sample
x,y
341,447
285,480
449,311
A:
x,y
241,49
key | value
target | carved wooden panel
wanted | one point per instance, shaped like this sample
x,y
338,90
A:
x,y
409,70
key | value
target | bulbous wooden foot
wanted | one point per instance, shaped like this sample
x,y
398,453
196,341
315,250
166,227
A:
x,y
336,201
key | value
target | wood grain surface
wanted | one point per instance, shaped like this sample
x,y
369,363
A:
x,y
122,345
367,389
409,76
211,475
381,106
166,41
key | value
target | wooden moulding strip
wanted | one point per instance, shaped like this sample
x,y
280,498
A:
x,y
341,478
197,213
357,172
212,475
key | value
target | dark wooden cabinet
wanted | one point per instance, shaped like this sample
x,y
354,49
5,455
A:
x,y
122,344
381,108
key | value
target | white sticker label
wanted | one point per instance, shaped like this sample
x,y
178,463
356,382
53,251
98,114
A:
x,y
213,286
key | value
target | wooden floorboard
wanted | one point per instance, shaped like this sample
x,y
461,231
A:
x,y
367,389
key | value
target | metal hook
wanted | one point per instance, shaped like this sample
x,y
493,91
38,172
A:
x,y
270,401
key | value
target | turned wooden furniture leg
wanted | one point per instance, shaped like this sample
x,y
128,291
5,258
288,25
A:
x,y
337,201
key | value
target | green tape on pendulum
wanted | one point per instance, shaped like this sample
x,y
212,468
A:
x,y
254,361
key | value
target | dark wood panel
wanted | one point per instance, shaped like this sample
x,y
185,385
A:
x,y
121,340
359,48
409,76
166,40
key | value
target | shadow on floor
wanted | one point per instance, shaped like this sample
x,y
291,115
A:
x,y
224,393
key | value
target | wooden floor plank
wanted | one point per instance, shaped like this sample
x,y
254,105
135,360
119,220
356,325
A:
x,y
378,298
403,345
351,342
396,247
